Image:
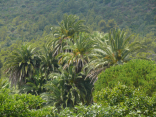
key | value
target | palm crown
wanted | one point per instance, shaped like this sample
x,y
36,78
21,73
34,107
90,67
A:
x,y
69,26
112,48
22,63
79,48
48,61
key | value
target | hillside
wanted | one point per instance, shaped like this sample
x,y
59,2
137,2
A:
x,y
29,18
25,20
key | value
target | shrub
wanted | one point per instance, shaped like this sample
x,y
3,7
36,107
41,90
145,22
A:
x,y
137,73
130,101
19,105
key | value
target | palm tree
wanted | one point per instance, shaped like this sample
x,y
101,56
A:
x,y
48,62
69,26
68,88
112,49
21,64
79,48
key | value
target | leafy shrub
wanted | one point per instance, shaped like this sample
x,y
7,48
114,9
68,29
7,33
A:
x,y
130,100
138,73
19,105
110,97
43,112
94,110
97,110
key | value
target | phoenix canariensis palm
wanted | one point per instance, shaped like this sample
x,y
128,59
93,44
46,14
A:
x,y
21,64
67,89
79,48
114,48
69,26
48,62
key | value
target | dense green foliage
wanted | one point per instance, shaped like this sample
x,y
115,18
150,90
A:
x,y
113,48
34,85
119,101
137,73
74,66
21,64
18,104
67,89
25,21
28,19
131,100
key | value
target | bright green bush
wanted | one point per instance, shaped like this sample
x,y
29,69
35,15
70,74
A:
x,y
16,105
97,110
115,96
43,112
130,100
137,73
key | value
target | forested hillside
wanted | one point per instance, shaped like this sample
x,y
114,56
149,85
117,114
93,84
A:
x,y
30,20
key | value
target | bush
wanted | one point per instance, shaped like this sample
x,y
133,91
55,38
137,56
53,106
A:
x,y
130,101
137,73
115,96
16,105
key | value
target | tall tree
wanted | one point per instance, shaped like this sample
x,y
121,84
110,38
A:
x,y
21,64
79,48
69,26
48,62
113,48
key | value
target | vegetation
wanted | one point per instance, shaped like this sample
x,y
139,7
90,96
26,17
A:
x,y
57,68
18,104
119,101
114,48
137,73
68,88
27,20
21,64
